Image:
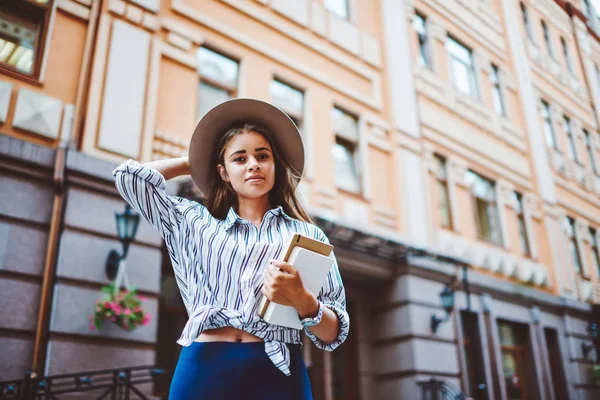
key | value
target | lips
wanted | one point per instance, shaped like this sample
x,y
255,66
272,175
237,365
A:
x,y
255,178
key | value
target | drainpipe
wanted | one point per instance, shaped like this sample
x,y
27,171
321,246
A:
x,y
41,334
85,76
40,348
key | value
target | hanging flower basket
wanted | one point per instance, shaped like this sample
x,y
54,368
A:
x,y
121,307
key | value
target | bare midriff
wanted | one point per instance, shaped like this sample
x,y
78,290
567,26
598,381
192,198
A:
x,y
227,334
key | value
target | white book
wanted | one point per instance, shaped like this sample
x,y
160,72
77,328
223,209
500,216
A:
x,y
313,269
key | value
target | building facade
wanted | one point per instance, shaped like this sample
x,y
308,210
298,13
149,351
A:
x,y
450,144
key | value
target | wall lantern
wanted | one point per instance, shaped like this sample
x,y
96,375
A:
x,y
592,329
127,225
447,296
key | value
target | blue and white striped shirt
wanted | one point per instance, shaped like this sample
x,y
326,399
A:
x,y
219,265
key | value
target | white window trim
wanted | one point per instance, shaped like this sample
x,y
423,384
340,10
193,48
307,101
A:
x,y
46,50
585,271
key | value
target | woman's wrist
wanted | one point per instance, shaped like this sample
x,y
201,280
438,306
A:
x,y
308,307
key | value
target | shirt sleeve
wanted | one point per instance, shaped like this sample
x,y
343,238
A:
x,y
333,296
144,188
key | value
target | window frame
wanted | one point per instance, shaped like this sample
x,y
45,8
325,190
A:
x,y
424,47
595,248
493,204
547,39
348,17
297,118
474,91
232,90
571,143
353,147
20,12
520,212
442,181
590,150
527,22
575,251
566,54
547,118
497,89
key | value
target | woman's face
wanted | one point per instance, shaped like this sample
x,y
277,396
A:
x,y
249,165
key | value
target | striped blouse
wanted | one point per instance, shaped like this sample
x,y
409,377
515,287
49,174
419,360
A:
x,y
219,265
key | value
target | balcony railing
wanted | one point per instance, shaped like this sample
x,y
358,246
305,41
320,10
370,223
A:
x,y
113,384
435,389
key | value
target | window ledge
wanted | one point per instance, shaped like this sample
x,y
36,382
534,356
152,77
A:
x,y
20,76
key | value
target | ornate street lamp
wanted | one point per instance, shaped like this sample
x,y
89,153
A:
x,y
593,331
127,225
447,296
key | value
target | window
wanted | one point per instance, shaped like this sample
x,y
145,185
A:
x,y
547,40
570,229
420,26
486,210
518,200
526,22
290,100
570,138
23,28
548,129
338,7
462,68
345,127
443,199
218,79
497,91
565,49
517,361
590,150
595,249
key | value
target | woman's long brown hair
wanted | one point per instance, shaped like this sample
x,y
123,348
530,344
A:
x,y
221,196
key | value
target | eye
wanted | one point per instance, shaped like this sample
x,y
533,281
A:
x,y
263,156
239,159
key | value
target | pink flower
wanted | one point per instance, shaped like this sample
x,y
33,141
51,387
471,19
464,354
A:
x,y
107,305
142,298
113,319
127,311
92,327
146,320
137,309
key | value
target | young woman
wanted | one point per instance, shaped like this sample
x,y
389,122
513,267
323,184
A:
x,y
223,255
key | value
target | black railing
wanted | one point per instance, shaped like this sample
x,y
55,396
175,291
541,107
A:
x,y
113,384
435,389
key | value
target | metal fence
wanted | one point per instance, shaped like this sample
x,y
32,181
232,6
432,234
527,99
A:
x,y
435,389
113,384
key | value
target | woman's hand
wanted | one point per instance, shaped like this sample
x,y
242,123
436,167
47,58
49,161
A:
x,y
285,287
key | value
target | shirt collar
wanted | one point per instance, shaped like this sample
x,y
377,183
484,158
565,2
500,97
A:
x,y
233,218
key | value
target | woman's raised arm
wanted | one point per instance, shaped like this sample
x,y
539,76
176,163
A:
x,y
171,168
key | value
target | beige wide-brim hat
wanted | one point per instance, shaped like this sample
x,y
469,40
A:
x,y
202,153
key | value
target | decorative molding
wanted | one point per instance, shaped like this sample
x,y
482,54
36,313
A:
x,y
117,7
5,96
179,41
318,18
37,113
134,14
374,99
75,9
151,5
67,123
151,22
190,34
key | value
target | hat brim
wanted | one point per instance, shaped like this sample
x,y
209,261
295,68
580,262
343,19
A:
x,y
215,123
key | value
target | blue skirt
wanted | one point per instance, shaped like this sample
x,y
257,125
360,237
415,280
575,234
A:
x,y
233,370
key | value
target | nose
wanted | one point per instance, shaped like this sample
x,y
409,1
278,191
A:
x,y
253,164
